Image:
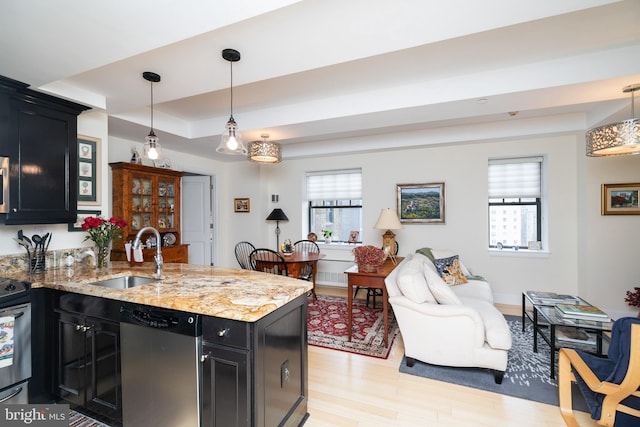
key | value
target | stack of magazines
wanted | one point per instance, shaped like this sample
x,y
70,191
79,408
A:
x,y
584,312
552,298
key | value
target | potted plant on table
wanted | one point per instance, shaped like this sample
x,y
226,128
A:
x,y
633,298
327,235
369,258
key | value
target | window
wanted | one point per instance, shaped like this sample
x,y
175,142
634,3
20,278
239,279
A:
x,y
515,201
335,203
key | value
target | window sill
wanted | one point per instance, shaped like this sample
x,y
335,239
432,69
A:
x,y
521,253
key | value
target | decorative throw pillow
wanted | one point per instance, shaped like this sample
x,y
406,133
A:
x,y
446,253
450,271
440,290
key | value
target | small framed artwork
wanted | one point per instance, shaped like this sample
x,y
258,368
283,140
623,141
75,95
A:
x,y
421,203
88,170
241,205
77,226
620,199
353,236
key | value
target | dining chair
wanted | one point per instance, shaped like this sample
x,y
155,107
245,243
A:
x,y
306,246
268,261
610,385
372,293
243,250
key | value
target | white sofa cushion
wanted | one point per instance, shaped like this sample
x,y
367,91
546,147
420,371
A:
x,y
476,289
496,329
440,290
412,282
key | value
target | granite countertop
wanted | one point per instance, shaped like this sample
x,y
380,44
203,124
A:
x,y
213,291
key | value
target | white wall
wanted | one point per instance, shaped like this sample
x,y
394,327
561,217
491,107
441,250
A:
x,y
587,254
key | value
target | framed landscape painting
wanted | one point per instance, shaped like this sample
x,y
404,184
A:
x,y
620,199
421,203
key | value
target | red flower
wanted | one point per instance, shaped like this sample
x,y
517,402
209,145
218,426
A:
x,y
633,298
102,231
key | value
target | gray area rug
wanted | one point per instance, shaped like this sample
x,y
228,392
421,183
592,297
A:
x,y
527,374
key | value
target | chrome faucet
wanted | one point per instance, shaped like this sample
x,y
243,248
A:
x,y
158,258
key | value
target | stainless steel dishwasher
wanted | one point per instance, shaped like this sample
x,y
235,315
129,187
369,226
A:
x,y
160,366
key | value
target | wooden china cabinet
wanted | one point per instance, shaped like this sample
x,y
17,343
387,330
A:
x,y
148,196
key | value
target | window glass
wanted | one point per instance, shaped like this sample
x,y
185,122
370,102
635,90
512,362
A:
x,y
515,202
335,203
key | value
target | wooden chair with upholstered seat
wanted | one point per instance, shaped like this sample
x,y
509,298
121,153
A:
x,y
609,384
268,261
243,250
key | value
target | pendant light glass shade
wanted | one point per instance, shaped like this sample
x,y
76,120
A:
x,y
151,149
616,139
231,140
265,151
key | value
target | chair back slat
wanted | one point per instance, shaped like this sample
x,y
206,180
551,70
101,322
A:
x,y
308,246
243,250
268,261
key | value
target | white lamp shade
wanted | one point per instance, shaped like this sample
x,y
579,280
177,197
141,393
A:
x,y
388,220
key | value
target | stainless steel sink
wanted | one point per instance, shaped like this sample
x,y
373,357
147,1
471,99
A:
x,y
124,282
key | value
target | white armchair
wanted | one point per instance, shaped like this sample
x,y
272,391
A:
x,y
446,326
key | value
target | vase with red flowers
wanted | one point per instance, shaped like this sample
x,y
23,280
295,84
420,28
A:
x,y
633,298
102,232
369,258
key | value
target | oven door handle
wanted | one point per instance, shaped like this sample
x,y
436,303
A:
x,y
15,393
9,313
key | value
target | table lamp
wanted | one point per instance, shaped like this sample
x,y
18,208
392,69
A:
x,y
277,215
389,220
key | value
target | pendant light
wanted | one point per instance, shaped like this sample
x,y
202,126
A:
x,y
264,151
231,141
152,149
616,139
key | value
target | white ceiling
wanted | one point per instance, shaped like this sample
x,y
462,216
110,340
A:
x,y
318,75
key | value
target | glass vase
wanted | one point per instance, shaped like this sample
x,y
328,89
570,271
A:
x,y
103,256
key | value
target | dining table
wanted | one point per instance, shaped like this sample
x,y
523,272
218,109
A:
x,y
296,263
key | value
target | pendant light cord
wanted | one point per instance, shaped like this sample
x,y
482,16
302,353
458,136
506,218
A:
x,y
151,106
231,62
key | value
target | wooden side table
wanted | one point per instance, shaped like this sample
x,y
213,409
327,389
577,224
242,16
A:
x,y
370,280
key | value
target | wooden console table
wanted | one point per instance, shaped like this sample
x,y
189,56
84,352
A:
x,y
369,280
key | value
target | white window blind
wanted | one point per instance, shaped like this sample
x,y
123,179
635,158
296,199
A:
x,y
334,185
515,177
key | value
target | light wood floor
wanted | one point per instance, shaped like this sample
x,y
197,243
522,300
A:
x,y
348,390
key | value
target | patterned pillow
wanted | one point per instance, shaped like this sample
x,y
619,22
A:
x,y
450,271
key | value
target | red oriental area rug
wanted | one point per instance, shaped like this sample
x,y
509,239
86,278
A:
x,y
327,325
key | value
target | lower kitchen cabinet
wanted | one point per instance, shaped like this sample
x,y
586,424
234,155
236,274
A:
x,y
255,374
87,363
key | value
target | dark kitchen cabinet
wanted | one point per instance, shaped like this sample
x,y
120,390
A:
x,y
87,357
38,133
255,373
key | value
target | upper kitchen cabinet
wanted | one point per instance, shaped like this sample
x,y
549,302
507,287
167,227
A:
x,y
38,133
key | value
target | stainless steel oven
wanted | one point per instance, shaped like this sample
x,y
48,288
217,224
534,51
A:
x,y
4,178
15,341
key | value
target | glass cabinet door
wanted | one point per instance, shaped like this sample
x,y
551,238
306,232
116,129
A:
x,y
166,193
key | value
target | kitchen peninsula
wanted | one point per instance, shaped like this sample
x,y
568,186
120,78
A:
x,y
248,331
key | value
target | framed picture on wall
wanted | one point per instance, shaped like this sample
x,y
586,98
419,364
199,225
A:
x,y
88,171
77,226
620,199
421,203
241,205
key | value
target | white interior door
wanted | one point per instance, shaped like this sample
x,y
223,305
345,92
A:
x,y
197,218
